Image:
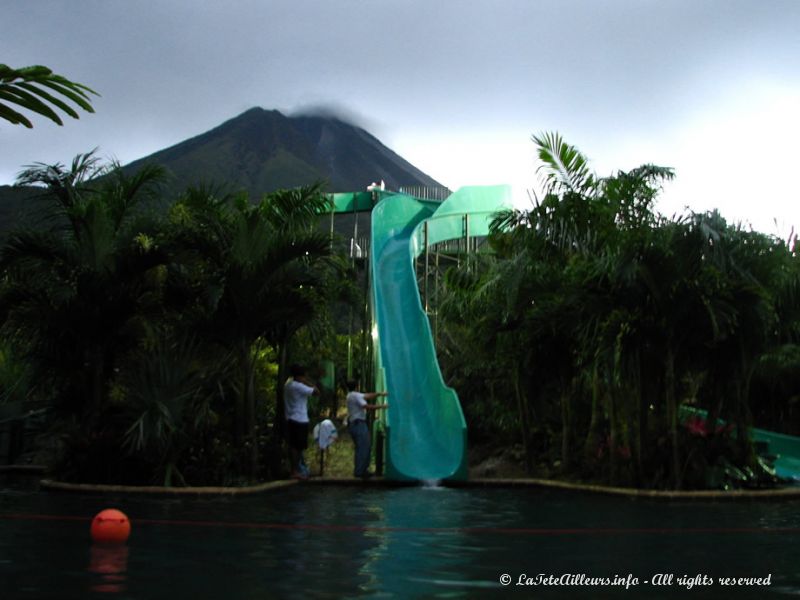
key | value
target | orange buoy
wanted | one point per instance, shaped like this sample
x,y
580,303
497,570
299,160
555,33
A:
x,y
110,525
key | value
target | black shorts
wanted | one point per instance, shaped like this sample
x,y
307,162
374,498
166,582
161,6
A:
x,y
297,434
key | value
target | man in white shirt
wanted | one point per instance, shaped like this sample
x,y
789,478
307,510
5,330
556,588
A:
x,y
357,408
296,392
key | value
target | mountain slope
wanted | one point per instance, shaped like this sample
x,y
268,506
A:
x,y
261,151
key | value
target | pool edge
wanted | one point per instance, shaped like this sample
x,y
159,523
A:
x,y
776,494
764,494
61,486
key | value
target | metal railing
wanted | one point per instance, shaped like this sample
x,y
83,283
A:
x,y
359,247
426,192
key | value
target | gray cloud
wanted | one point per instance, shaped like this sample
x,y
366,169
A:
x,y
594,70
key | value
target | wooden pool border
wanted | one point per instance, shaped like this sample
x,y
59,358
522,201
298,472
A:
x,y
60,486
763,494
767,494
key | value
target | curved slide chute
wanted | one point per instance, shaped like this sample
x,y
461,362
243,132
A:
x,y
425,431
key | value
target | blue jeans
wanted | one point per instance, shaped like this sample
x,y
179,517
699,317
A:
x,y
360,434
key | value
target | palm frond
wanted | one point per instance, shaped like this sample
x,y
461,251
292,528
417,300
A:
x,y
31,246
65,186
295,209
564,168
124,192
31,87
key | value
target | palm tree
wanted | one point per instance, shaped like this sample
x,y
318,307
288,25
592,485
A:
x,y
77,289
617,316
168,404
259,275
589,232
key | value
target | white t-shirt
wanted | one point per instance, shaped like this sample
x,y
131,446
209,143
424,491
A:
x,y
295,400
325,433
355,406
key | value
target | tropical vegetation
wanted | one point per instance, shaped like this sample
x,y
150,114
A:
x,y
157,331
607,342
597,325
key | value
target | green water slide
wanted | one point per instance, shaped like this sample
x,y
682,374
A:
x,y
425,431
783,450
786,452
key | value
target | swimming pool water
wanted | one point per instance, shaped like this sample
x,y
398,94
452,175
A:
x,y
317,541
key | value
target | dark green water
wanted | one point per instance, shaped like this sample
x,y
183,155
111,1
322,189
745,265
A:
x,y
337,542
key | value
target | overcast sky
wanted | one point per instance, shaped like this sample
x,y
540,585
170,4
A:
x,y
457,87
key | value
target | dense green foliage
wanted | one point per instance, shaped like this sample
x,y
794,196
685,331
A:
x,y
157,331
594,320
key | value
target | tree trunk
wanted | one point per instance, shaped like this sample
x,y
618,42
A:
x,y
249,402
97,368
279,425
637,422
672,414
280,415
741,393
612,434
641,433
522,411
593,435
566,427
717,402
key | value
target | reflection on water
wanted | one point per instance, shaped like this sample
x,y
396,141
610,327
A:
x,y
110,563
431,484
326,542
429,548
